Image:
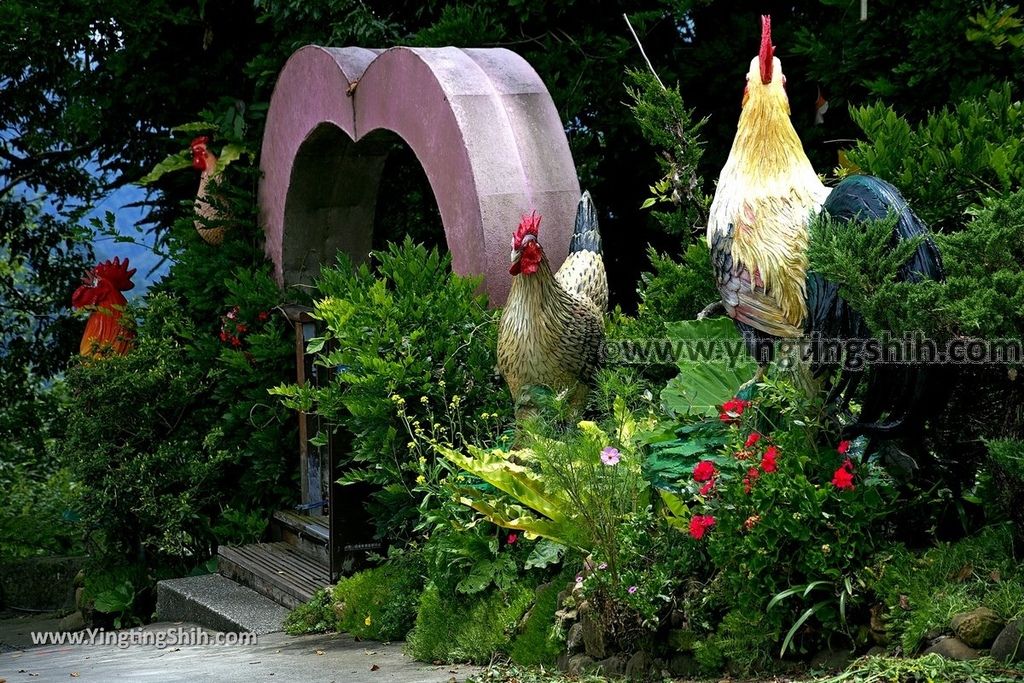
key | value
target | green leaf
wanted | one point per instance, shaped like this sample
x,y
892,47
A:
x,y
713,364
174,162
545,553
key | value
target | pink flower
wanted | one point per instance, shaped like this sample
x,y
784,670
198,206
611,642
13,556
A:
x,y
699,524
610,456
768,463
704,470
512,538
631,590
843,477
706,488
752,439
843,447
603,566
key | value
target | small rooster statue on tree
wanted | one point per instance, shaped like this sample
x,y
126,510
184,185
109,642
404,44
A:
x,y
204,161
552,329
758,230
101,293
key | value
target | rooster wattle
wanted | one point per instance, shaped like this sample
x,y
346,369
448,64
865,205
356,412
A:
x,y
552,328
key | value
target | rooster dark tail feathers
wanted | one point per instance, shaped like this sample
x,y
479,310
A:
x,y
586,236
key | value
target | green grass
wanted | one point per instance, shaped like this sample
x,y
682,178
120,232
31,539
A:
x,y
453,628
314,616
923,591
538,644
928,669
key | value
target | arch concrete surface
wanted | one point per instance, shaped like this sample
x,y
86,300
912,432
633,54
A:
x,y
480,122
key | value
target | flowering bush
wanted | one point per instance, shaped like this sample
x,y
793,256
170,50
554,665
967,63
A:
x,y
774,509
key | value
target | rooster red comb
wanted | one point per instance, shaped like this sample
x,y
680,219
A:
x,y
767,49
530,225
116,272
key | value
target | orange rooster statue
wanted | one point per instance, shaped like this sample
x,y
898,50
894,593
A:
x,y
101,293
758,231
552,329
204,161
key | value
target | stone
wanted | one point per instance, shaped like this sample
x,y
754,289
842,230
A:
x,y
593,635
638,666
953,648
832,660
574,638
72,622
876,651
579,665
1009,644
612,666
562,662
978,627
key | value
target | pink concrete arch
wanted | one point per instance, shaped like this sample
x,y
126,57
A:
x,y
480,122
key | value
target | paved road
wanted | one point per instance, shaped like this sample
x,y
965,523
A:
x,y
276,657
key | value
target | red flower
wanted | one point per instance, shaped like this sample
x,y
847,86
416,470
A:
x,y
768,459
704,470
751,522
512,538
843,447
700,524
242,328
843,477
752,439
706,488
732,409
223,335
235,341
263,316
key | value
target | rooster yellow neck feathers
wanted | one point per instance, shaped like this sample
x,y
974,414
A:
x,y
766,195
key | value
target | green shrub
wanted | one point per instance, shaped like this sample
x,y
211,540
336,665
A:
x,y
538,644
951,161
165,438
315,616
39,516
380,603
453,629
407,328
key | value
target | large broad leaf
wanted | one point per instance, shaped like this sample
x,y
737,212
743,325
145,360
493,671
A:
x,y
174,162
713,364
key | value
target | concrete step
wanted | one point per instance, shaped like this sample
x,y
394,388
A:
x,y
217,603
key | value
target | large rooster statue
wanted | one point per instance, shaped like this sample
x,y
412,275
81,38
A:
x,y
552,329
767,195
101,293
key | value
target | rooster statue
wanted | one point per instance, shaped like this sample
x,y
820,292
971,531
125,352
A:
x,y
766,198
552,329
204,161
101,293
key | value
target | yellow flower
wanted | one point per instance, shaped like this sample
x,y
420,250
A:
x,y
421,480
424,400
367,620
411,445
